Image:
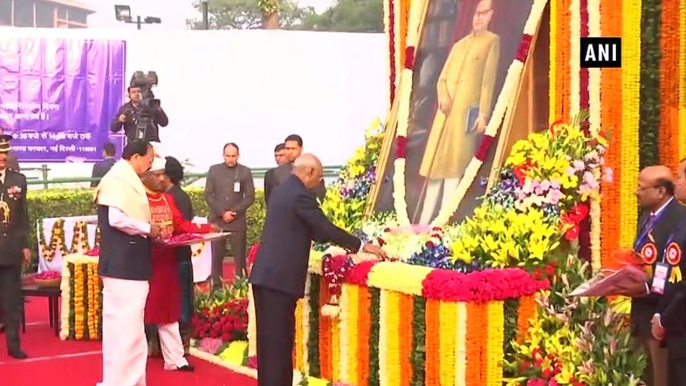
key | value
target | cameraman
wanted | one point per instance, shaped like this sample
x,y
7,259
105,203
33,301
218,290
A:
x,y
128,116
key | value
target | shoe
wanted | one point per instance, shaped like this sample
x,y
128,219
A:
x,y
17,354
186,368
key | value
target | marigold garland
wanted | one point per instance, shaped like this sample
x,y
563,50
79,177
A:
x,y
573,54
552,59
433,342
447,342
668,145
325,326
335,350
48,250
561,61
405,304
473,343
79,306
494,344
364,330
71,309
611,116
298,345
526,312
629,146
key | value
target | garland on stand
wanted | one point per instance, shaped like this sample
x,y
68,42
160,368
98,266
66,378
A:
x,y
668,145
629,146
611,116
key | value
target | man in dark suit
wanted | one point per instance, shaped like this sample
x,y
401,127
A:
x,y
229,192
101,168
669,321
174,172
293,146
14,247
278,275
269,181
662,213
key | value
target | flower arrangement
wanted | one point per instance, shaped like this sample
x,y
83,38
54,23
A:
x,y
222,314
543,196
227,321
574,341
346,199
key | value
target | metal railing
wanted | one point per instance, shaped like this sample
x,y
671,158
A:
x,y
189,178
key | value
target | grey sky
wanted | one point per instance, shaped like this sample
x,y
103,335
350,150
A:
x,y
172,12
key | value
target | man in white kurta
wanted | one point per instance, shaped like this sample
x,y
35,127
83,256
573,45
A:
x,y
125,265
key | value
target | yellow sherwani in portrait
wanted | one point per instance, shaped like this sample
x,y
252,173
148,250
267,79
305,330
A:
x,y
467,79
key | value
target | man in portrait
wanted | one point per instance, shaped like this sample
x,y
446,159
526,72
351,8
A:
x,y
465,91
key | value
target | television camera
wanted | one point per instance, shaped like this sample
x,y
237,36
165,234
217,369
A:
x,y
149,105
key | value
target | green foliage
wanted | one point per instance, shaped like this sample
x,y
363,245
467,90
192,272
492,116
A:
x,y
248,14
649,110
60,203
344,16
574,339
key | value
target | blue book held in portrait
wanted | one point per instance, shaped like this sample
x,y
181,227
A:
x,y
472,115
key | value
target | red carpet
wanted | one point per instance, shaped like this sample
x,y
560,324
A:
x,y
72,363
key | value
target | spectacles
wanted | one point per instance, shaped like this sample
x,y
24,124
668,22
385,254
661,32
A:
x,y
649,187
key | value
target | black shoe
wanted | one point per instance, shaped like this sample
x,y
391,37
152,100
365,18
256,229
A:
x,y
2,328
17,354
186,368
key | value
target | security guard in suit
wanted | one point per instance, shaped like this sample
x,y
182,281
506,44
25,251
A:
x,y
14,247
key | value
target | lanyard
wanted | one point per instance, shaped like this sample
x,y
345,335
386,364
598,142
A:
x,y
647,228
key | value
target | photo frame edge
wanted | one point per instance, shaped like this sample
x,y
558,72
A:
x,y
391,122
506,127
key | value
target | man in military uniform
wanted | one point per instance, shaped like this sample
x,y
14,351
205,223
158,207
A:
x,y
669,320
14,243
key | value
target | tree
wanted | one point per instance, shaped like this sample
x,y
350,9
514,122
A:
x,y
344,16
246,14
350,16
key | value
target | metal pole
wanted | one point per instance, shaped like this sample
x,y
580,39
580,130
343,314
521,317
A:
x,y
138,22
205,14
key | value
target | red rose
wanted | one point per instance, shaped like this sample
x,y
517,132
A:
x,y
537,273
550,270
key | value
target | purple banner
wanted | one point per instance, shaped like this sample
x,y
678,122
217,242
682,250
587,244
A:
x,y
58,96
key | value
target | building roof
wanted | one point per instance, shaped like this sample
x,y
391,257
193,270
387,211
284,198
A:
x,y
72,4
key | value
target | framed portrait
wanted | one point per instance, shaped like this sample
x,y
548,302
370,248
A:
x,y
462,59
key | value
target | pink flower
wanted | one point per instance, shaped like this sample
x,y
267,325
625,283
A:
x,y
553,382
590,179
554,196
571,171
608,175
555,184
579,165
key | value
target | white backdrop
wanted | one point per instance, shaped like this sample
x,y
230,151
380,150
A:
x,y
254,88
202,263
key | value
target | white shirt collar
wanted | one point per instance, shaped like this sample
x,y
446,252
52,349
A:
x,y
657,212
